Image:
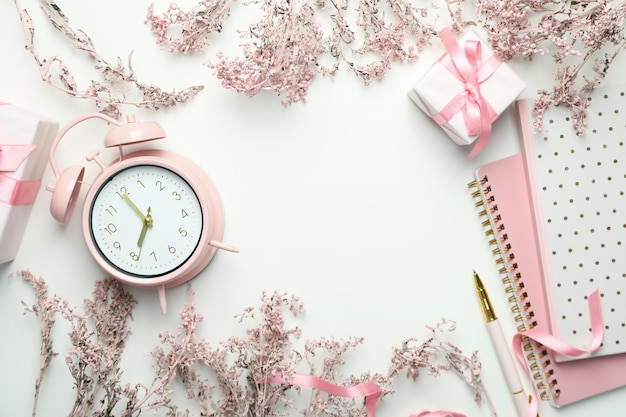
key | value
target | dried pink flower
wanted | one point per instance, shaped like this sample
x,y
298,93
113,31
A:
x,y
293,42
583,38
412,356
288,48
239,369
97,336
44,309
193,28
117,81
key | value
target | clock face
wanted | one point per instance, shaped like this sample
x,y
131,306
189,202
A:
x,y
146,221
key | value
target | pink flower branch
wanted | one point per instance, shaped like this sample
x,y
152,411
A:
x,y
117,80
193,28
583,38
239,368
44,309
294,41
287,48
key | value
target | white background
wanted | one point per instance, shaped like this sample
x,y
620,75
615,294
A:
x,y
355,201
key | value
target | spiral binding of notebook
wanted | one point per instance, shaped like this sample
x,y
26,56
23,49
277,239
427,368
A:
x,y
511,277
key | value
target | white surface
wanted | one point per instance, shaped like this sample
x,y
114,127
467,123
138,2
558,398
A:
x,y
354,200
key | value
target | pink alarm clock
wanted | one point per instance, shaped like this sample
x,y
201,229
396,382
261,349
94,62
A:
x,y
151,218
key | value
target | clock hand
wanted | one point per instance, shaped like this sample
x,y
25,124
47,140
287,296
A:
x,y
147,222
134,207
142,235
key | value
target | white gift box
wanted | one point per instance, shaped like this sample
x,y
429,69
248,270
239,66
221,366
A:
x,y
439,86
25,140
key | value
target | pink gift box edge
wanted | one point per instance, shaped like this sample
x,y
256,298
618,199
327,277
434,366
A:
x,y
14,219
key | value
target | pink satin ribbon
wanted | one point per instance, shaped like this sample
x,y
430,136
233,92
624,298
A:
x,y
557,345
468,67
12,191
424,413
369,390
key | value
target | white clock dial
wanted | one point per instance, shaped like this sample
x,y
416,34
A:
x,y
146,221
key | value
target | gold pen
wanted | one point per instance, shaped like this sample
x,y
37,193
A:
x,y
505,358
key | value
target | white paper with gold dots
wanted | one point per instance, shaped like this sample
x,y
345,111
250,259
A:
x,y
579,194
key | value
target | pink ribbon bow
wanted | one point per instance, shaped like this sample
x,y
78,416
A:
x,y
468,67
12,191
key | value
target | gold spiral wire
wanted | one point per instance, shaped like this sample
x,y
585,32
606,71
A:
x,y
495,231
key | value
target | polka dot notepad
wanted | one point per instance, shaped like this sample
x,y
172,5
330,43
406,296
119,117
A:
x,y
579,195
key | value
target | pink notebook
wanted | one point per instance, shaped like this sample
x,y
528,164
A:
x,y
501,192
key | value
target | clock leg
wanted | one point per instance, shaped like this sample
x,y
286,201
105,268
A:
x,y
162,299
222,245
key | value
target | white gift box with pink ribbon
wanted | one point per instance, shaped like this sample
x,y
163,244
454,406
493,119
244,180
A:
x,y
467,89
25,140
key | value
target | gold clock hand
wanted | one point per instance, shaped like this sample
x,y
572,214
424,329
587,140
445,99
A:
x,y
134,207
142,235
147,222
